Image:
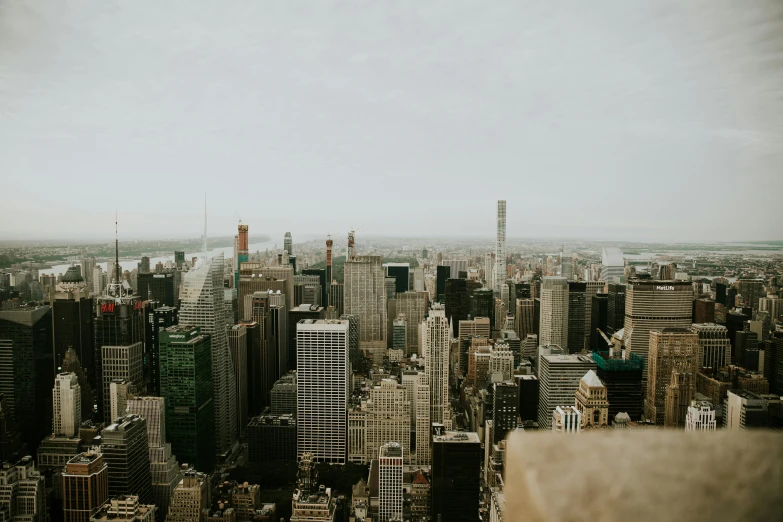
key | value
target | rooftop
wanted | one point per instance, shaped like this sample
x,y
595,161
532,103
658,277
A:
x,y
457,436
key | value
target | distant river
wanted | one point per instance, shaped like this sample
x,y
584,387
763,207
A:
x,y
130,264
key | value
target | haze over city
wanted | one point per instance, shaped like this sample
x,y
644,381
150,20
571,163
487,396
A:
x,y
652,121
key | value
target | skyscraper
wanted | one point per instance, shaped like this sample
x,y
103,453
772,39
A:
x,y
622,376
553,327
559,377
714,345
237,343
84,486
390,458
158,318
612,265
598,321
186,385
388,418
456,301
158,287
615,311
322,389
288,243
119,322
592,401
365,296
671,350
202,306
66,405
524,317
124,448
435,350
27,369
456,460
653,305
414,305
164,467
120,363
72,317
505,409
577,306
500,248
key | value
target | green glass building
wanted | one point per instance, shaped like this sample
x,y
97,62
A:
x,y
186,385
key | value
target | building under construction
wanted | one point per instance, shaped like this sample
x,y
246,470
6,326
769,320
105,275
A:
x,y
622,376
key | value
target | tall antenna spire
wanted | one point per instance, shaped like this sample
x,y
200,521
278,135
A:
x,y
116,250
204,238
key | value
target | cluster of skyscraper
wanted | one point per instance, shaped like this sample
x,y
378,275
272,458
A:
x,y
411,370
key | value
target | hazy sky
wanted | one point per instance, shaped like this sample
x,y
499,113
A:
x,y
650,120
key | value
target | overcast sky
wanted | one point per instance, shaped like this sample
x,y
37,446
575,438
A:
x,y
649,120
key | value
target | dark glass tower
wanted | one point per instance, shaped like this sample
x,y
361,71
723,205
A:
x,y
400,272
443,273
72,325
735,322
456,465
158,318
746,349
27,369
577,295
457,302
186,385
599,312
615,312
158,287
505,409
528,397
482,304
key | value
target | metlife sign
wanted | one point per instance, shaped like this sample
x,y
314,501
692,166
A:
x,y
664,287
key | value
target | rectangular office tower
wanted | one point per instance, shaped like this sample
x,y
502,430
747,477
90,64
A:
x,y
654,305
158,318
27,369
186,384
84,486
456,461
559,377
365,296
401,273
390,458
577,315
714,345
121,363
435,344
125,450
671,350
322,389
553,327
157,287
72,318
202,306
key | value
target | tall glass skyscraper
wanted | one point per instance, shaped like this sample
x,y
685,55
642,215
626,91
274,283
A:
x,y
202,306
500,248
186,385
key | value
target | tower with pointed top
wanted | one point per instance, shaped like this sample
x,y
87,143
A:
x,y
592,401
202,306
